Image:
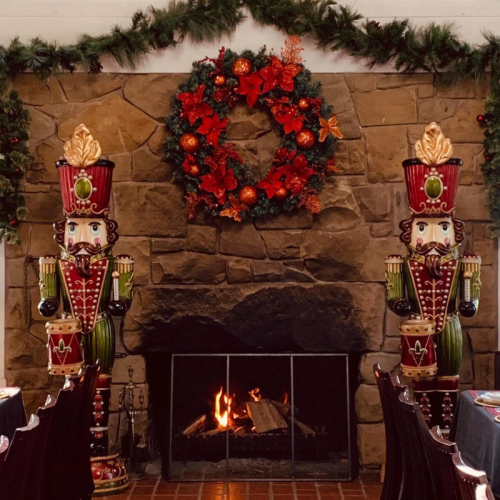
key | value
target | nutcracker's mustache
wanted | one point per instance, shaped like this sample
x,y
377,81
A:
x,y
439,248
82,251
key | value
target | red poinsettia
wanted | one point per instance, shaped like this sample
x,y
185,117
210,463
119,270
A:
x,y
250,86
188,163
283,155
297,174
193,106
212,127
272,182
280,74
219,182
289,117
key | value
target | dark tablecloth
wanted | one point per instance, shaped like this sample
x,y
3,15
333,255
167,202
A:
x,y
478,437
12,414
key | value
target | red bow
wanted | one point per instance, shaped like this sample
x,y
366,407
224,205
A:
x,y
289,117
193,106
271,183
250,86
212,127
220,155
278,74
218,182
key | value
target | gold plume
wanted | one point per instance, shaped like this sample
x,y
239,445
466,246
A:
x,y
82,150
434,148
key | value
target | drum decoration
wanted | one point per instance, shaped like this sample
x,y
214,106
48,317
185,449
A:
x,y
91,284
433,284
64,345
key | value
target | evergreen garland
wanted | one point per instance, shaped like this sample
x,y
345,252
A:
x,y
432,48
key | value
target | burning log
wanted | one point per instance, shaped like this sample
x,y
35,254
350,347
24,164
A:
x,y
265,416
304,428
240,431
196,427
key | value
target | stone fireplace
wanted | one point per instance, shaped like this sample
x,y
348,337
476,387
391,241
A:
x,y
297,284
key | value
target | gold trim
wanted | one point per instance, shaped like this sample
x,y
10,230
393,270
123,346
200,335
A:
x,y
65,369
434,148
82,150
412,371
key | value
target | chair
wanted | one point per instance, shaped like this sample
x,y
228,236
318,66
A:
x,y
45,414
393,479
473,484
420,467
4,446
14,476
445,451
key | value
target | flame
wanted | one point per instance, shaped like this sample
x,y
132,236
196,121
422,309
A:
x,y
222,418
285,398
255,393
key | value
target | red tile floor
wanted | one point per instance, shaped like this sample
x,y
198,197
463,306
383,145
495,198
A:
x,y
366,487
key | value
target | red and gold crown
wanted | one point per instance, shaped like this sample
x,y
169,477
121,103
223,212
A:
x,y
432,177
85,179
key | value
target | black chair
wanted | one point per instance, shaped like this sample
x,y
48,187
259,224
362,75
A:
x,y
389,391
420,466
473,484
45,414
15,471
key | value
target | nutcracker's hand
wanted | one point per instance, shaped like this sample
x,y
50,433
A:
x,y
48,307
117,307
402,307
467,309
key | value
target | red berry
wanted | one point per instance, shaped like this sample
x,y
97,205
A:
x,y
13,222
480,118
15,140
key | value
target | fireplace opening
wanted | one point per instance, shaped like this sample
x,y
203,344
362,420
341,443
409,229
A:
x,y
259,417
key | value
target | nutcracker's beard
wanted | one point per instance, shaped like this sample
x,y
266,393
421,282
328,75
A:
x,y
433,266
82,252
433,252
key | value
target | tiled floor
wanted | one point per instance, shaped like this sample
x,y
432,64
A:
x,y
366,487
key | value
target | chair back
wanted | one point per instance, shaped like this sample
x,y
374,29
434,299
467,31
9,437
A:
x,y
393,479
473,484
15,470
45,414
420,471
444,452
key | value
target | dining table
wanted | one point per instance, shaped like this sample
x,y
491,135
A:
x,y
12,412
477,436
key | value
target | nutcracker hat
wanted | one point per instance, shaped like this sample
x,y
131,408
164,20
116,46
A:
x,y
432,177
85,178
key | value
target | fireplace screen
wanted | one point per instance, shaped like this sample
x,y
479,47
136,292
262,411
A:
x,y
257,417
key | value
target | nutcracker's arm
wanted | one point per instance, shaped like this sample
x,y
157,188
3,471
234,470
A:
x,y
470,285
395,286
49,286
123,282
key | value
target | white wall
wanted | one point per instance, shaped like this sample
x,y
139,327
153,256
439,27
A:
x,y
64,20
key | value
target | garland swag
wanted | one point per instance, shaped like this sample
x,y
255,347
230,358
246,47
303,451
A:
x,y
433,48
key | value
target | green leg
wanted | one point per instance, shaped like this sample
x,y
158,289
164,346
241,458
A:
x,y
449,349
99,344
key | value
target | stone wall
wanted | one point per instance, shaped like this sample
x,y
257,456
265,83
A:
x,y
200,266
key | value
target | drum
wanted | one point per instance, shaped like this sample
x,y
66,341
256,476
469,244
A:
x,y
418,351
64,345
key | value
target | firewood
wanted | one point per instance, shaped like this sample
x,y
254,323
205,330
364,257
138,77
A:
x,y
265,416
284,408
196,427
214,432
240,431
304,428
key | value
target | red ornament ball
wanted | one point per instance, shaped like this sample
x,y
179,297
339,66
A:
x,y
305,139
220,80
303,104
18,170
189,143
242,67
15,140
480,118
194,171
488,158
281,193
248,195
14,222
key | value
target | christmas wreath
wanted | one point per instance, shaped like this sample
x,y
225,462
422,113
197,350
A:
x,y
213,173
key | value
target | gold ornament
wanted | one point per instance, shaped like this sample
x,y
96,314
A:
x,y
305,139
248,195
219,80
434,148
189,143
281,193
82,150
194,170
290,53
303,104
242,67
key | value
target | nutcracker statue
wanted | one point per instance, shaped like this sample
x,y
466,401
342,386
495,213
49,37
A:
x,y
433,284
92,285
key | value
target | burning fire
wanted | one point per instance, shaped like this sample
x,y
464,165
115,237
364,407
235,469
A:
x,y
255,394
222,418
